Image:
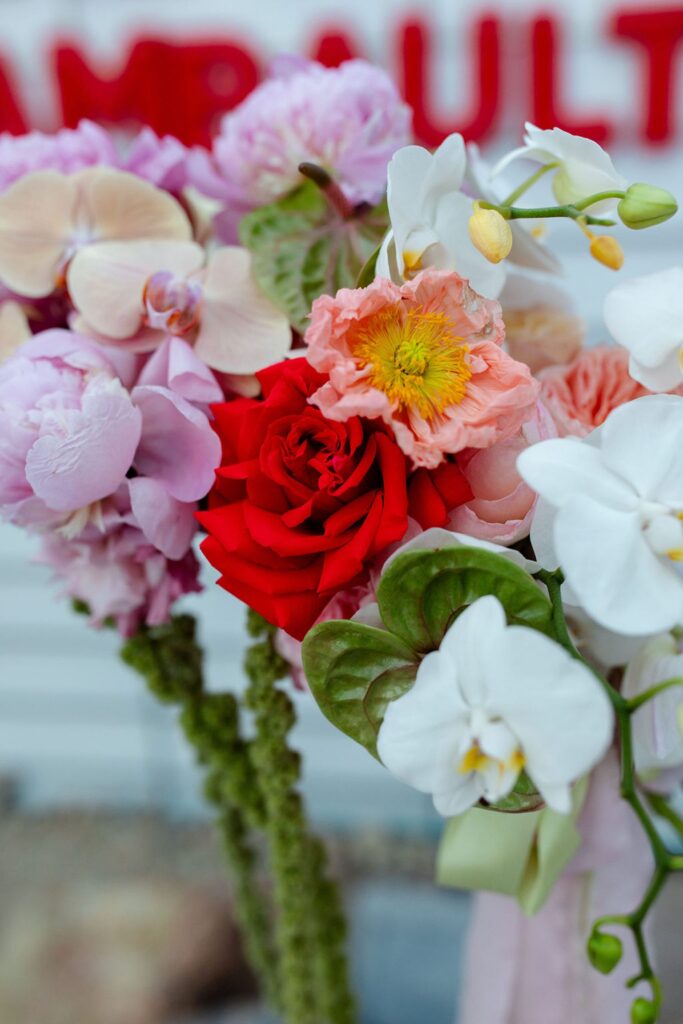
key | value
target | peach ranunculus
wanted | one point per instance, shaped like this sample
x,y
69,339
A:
x,y
137,293
426,357
581,396
503,505
46,217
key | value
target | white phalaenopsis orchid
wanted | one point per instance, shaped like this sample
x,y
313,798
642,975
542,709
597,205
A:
x,y
658,724
495,699
645,315
611,515
583,167
429,217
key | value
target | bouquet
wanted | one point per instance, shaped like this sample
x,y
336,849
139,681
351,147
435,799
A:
x,y
353,367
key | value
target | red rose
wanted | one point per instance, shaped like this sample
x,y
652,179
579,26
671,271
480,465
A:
x,y
301,504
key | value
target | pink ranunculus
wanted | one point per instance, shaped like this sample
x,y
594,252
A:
x,y
117,572
68,429
503,505
349,119
581,396
426,357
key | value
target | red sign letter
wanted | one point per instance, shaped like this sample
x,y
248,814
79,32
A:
x,y
333,47
175,89
548,112
486,78
659,33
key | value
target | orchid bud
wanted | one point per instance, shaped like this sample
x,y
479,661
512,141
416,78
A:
x,y
490,234
606,250
643,206
604,951
643,1012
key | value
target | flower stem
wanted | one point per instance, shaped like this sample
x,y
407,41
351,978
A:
x,y
544,212
527,183
330,189
643,698
664,862
598,197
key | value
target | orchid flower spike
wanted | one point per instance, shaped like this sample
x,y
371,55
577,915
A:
x,y
46,217
493,700
583,167
611,515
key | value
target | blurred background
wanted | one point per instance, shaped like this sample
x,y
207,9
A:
x,y
113,906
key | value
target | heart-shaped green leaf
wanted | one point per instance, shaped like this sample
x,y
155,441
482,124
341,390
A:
x,y
422,592
302,248
524,797
354,671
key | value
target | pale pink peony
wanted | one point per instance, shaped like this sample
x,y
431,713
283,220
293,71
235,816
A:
x,y
117,572
426,357
349,119
503,505
161,161
68,429
70,432
581,396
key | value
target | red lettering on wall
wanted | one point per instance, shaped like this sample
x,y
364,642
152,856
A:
x,y
179,89
333,46
416,58
658,33
548,110
11,117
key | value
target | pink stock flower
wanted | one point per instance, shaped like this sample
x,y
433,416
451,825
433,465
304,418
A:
x,y
581,396
68,429
137,293
424,356
161,161
349,119
117,572
503,505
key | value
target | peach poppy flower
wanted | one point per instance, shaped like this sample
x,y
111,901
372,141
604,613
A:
x,y
141,292
426,357
46,217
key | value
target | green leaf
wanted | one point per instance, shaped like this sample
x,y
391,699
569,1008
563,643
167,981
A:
x,y
422,592
354,672
523,798
301,248
369,268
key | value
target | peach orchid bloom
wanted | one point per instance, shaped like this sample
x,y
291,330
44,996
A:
x,y
138,293
46,217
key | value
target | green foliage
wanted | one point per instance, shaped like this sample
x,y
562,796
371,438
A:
x,y
524,797
354,671
302,248
423,592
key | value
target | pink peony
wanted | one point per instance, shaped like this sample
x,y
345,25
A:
x,y
161,161
349,120
70,432
503,505
68,429
581,396
117,572
424,356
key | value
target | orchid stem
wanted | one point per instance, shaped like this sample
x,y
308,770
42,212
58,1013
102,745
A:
x,y
665,862
544,212
527,183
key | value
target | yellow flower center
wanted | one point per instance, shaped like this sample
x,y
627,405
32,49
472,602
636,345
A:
x,y
415,359
475,761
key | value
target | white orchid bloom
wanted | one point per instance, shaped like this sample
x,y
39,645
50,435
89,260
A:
x,y
611,515
584,168
429,218
658,724
645,315
492,700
